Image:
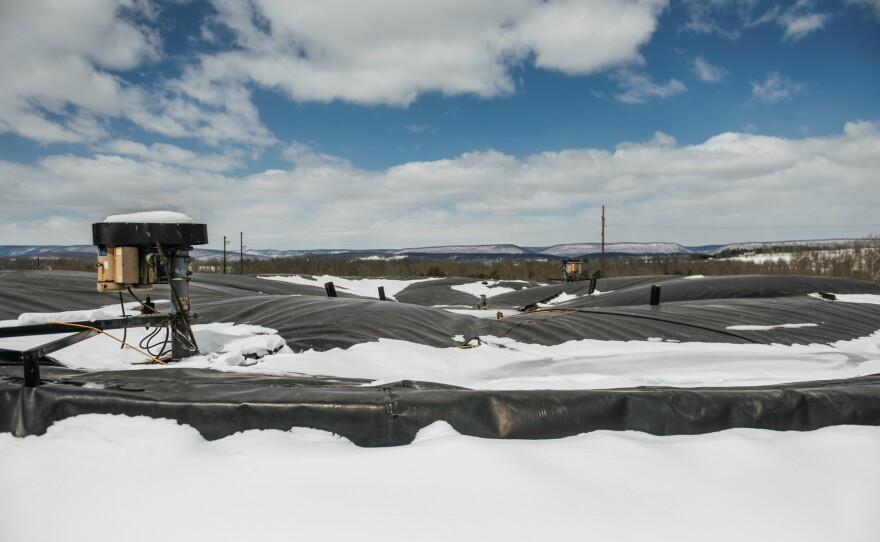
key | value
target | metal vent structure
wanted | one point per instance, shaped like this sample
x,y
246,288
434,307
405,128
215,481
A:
x,y
135,256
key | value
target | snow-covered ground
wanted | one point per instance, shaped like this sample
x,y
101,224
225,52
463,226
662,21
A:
x,y
102,477
789,256
763,258
109,478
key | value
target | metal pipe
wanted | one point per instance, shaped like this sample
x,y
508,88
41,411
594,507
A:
x,y
183,344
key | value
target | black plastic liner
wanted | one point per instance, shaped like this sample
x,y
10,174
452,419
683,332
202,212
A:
x,y
220,404
49,291
440,291
690,310
632,291
56,291
324,323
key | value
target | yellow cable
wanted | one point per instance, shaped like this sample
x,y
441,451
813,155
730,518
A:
x,y
157,360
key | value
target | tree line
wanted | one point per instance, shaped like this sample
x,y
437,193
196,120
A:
x,y
860,261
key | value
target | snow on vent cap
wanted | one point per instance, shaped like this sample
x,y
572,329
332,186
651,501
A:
x,y
151,217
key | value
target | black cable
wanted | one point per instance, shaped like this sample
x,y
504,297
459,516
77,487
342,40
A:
x,y
148,344
145,342
136,298
125,329
166,349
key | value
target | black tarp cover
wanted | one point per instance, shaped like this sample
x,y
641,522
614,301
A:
x,y
220,404
698,309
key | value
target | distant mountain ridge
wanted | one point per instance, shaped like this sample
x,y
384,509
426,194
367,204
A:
x,y
466,249
499,251
578,249
33,251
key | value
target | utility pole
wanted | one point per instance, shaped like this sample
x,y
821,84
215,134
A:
x,y
241,254
603,241
225,242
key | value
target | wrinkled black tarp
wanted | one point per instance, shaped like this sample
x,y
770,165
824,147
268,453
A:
x,y
691,309
219,404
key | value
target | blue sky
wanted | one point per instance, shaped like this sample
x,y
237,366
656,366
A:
x,y
343,124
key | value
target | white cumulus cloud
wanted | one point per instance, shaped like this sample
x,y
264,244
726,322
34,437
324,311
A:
x,y
174,155
730,18
775,88
391,52
639,87
706,71
63,68
65,63
800,20
57,64
728,188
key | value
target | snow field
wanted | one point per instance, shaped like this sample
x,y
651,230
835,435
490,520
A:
x,y
105,477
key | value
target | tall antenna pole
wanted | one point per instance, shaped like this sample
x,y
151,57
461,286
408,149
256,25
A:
x,y
603,241
225,242
241,254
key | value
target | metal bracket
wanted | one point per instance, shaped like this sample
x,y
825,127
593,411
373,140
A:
x,y
30,359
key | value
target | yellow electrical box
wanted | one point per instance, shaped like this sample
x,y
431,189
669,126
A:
x,y
118,269
126,265
106,270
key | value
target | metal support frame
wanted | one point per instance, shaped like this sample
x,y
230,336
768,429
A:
x,y
31,358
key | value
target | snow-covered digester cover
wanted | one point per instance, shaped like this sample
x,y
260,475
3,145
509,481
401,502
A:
x,y
136,478
500,364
